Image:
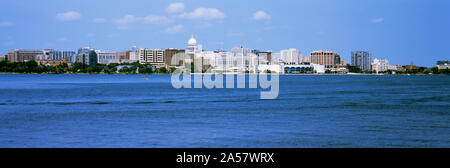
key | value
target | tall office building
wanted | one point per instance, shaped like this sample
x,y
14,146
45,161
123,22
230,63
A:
x,y
362,59
328,58
87,55
291,56
241,58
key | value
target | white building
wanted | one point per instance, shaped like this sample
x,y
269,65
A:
x,y
380,65
291,56
151,56
273,68
191,50
107,57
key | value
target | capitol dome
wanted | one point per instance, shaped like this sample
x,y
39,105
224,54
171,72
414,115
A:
x,y
192,41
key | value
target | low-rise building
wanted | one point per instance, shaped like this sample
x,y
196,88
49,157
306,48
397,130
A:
x,y
151,56
107,57
395,68
443,64
380,65
312,68
328,58
174,57
23,55
67,56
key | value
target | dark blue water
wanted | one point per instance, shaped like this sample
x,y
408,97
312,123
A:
x,y
311,111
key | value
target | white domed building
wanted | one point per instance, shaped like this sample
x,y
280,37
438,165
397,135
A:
x,y
191,49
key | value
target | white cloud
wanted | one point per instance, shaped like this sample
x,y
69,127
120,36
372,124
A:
x,y
175,7
204,13
99,20
261,15
175,29
6,24
126,19
377,20
68,16
156,19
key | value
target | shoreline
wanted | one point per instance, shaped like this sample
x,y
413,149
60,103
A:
x,y
353,74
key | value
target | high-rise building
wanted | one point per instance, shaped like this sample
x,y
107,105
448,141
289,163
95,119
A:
x,y
380,65
291,56
362,59
87,55
328,58
151,56
241,58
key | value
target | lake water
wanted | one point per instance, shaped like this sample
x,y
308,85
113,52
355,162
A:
x,y
311,111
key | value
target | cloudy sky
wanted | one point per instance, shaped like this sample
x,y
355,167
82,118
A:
x,y
402,31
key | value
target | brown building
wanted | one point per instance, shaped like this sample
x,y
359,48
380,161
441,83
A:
x,y
174,57
24,55
328,58
51,62
411,67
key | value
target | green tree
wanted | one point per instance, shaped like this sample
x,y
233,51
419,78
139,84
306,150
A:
x,y
162,70
353,69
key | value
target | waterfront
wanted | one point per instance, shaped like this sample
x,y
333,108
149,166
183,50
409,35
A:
x,y
311,111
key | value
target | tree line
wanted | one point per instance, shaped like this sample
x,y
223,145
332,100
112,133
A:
x,y
123,68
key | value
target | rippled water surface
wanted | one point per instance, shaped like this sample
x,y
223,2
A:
x,y
311,111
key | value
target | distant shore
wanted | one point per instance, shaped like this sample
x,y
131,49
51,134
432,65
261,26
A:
x,y
350,74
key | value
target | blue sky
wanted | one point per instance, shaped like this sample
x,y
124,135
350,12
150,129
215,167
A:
x,y
402,31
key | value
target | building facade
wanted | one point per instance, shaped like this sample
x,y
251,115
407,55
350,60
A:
x,y
87,55
107,57
66,56
263,57
174,57
380,65
362,59
151,56
328,58
191,49
24,55
291,56
443,64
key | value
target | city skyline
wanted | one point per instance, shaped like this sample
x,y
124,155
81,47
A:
x,y
401,31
